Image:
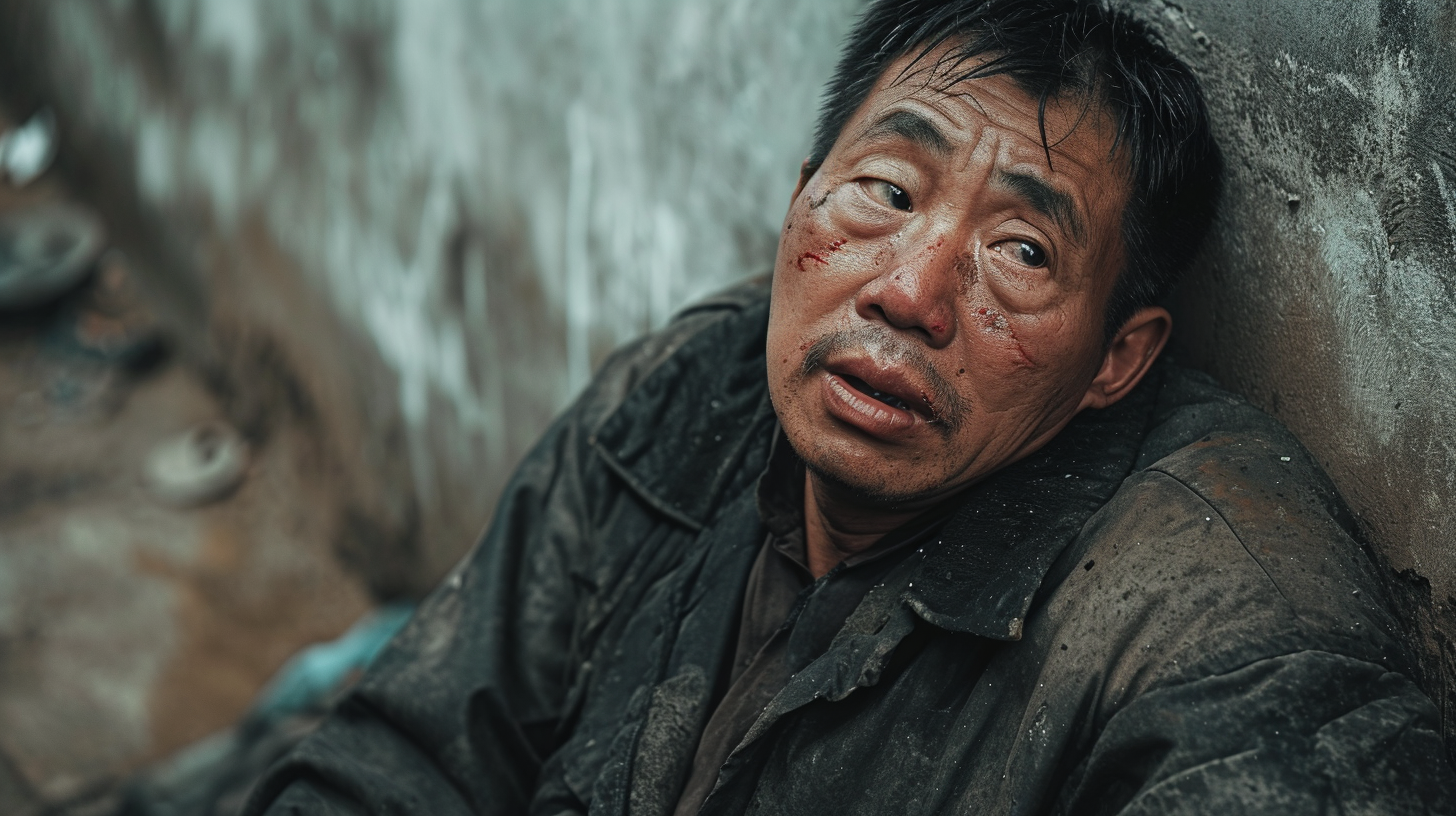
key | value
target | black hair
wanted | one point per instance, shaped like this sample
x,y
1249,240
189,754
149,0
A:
x,y
1054,50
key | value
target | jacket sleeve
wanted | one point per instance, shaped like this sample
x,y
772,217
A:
x,y
456,713
1304,733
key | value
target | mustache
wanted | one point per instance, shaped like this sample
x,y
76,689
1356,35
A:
x,y
946,406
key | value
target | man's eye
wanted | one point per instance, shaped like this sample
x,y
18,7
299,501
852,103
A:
x,y
1023,252
888,194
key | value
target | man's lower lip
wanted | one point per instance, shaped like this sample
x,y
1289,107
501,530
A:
x,y
858,409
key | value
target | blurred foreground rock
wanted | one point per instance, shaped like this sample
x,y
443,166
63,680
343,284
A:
x,y
130,627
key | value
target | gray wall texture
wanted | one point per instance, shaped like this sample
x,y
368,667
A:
x,y
423,223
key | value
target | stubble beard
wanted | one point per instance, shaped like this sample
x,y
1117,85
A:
x,y
876,496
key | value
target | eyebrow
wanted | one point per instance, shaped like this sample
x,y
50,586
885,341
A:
x,y
911,127
1045,199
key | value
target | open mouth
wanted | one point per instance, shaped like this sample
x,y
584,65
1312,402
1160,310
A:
x,y
880,396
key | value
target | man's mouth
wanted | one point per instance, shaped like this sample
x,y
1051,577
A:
x,y
860,403
876,384
881,384
875,394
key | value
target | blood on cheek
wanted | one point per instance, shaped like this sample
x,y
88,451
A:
x,y
994,321
818,255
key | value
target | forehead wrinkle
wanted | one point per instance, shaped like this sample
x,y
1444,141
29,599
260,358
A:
x,y
1045,199
911,127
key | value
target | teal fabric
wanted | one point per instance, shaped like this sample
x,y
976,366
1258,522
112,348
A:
x,y
310,677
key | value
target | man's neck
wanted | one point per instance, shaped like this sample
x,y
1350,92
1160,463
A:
x,y
838,525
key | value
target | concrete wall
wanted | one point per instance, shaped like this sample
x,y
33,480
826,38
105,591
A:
x,y
426,221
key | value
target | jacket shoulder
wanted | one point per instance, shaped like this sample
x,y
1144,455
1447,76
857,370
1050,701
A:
x,y
682,415
627,367
1231,542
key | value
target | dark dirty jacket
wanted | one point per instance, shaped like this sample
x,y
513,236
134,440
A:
x,y
1162,611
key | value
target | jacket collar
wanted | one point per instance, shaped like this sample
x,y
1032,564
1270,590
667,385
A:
x,y
994,552
697,431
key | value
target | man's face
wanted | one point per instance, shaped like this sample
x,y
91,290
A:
x,y
939,291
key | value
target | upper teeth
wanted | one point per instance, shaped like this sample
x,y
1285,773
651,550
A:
x,y
890,399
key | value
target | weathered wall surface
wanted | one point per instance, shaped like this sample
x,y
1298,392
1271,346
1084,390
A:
x,y
425,221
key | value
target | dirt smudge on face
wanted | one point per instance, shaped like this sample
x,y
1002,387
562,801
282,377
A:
x,y
965,268
994,321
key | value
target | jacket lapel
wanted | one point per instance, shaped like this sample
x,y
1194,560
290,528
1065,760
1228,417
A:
x,y
653,753
682,439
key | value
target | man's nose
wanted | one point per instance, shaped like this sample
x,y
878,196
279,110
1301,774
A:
x,y
917,295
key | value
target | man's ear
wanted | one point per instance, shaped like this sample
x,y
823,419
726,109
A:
x,y
806,172
1129,356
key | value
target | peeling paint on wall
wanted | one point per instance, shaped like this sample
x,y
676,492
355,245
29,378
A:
x,y
1447,199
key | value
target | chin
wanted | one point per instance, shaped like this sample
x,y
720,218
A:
x,y
868,483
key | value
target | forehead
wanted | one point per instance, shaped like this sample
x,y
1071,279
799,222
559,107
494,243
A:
x,y
939,79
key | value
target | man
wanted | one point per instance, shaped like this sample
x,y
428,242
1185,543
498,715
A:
x,y
925,529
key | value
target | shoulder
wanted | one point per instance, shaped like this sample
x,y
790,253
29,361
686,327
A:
x,y
736,313
688,400
1220,614
1228,545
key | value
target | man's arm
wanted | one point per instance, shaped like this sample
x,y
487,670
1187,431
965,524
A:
x,y
1256,663
458,712
1305,733
490,647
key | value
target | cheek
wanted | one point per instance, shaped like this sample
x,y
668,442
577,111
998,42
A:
x,y
808,239
804,269
999,331
820,239
819,254
1041,359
